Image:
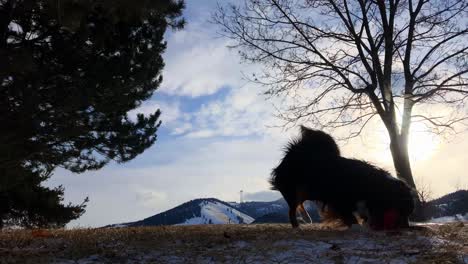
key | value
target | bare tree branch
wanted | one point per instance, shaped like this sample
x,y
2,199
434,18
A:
x,y
343,62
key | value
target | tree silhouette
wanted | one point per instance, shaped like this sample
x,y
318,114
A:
x,y
26,202
70,71
345,62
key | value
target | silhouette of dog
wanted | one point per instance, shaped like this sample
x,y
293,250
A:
x,y
312,169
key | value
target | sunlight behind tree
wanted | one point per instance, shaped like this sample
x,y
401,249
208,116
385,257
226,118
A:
x,y
362,58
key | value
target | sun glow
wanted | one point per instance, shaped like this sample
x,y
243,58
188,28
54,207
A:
x,y
422,144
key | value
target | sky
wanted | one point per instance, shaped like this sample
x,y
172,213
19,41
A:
x,y
219,135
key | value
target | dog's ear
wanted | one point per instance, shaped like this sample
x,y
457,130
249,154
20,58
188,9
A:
x,y
304,130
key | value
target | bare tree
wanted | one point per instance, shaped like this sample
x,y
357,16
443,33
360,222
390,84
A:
x,y
345,62
425,195
425,192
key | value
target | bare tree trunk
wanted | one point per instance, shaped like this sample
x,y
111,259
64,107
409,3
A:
x,y
401,161
398,139
399,149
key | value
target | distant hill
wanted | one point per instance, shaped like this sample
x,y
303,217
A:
x,y
275,211
198,211
272,218
452,204
257,209
214,211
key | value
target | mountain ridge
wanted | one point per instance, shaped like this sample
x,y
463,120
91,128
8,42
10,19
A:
x,y
216,211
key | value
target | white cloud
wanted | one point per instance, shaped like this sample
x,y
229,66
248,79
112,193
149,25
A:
x,y
262,196
181,170
201,134
151,198
242,112
198,62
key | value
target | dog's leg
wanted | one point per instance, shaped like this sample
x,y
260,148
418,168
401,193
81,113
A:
x,y
361,213
349,219
404,222
292,216
291,199
304,213
345,214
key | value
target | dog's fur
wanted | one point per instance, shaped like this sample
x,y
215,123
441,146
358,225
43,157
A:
x,y
312,169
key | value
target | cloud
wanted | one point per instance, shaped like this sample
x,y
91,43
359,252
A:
x,y
198,62
262,196
241,112
444,171
151,198
178,171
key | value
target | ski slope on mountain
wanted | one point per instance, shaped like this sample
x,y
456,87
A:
x,y
213,212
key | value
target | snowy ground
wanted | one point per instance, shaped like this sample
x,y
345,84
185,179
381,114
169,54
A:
x,y
450,219
270,243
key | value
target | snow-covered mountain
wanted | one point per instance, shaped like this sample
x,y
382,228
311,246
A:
x,y
214,211
218,212
257,209
198,211
274,211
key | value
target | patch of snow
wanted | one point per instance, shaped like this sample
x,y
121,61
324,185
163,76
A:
x,y
119,225
221,214
359,260
218,213
355,249
362,249
400,261
433,241
449,219
172,259
359,243
376,260
296,251
241,244
88,260
316,245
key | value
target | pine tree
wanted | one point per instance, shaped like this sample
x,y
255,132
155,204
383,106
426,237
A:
x,y
70,71
24,202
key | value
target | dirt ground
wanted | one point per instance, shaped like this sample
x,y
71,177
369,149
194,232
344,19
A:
x,y
266,243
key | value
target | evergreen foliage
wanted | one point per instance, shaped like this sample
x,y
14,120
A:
x,y
24,202
70,71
